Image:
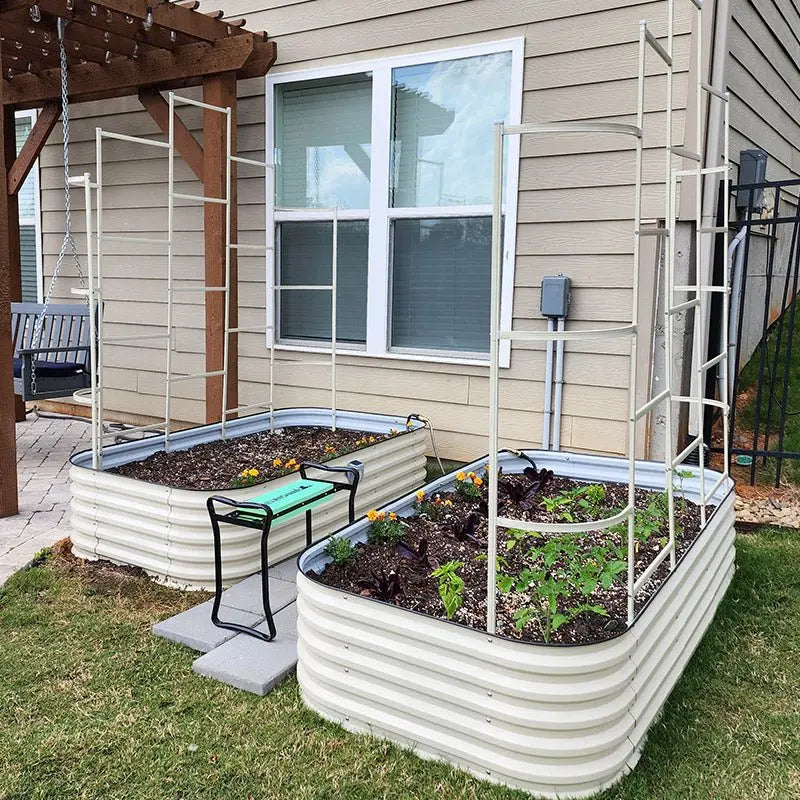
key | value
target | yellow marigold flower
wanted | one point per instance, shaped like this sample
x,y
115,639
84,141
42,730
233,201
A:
x,y
296,467
371,439
393,432
276,462
372,515
291,462
392,516
448,502
461,476
420,496
478,481
409,424
253,473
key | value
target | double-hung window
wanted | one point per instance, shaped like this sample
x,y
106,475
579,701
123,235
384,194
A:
x,y
30,239
400,152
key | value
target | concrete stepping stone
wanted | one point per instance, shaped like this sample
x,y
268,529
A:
x,y
246,595
252,665
194,628
285,571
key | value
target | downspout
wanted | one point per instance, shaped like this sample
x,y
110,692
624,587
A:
x,y
713,156
737,249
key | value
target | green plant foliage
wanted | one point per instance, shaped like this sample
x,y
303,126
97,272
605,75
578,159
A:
x,y
451,585
340,550
560,580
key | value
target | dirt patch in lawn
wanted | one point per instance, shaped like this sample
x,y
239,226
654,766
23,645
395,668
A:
x,y
567,589
219,464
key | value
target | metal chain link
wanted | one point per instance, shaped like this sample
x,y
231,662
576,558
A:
x,y
69,241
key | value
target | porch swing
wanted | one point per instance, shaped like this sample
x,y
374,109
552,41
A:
x,y
52,342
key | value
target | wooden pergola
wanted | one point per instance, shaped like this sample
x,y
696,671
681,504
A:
x,y
118,48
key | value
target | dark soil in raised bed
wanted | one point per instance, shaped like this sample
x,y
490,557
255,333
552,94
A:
x,y
216,465
437,524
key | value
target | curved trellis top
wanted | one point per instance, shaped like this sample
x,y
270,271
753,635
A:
x,y
118,47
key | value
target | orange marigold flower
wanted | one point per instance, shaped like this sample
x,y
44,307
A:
x,y
478,481
276,462
471,475
381,515
372,515
392,516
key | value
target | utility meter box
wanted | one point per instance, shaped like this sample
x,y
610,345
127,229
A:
x,y
752,169
555,296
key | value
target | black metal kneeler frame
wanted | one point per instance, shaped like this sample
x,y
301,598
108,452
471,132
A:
x,y
260,516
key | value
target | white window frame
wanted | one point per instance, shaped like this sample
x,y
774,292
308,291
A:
x,y
379,214
36,220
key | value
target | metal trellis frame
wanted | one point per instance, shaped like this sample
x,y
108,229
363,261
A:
x,y
648,43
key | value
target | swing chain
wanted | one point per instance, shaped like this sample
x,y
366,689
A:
x,y
69,241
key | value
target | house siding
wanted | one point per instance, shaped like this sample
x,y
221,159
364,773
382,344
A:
x,y
764,83
575,216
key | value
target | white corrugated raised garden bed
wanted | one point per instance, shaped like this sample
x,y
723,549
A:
x,y
555,719
166,530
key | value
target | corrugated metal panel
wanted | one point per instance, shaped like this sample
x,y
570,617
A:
x,y
555,721
166,531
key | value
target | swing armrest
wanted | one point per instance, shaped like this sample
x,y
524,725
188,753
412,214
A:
x,y
35,351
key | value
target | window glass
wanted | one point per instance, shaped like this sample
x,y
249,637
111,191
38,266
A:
x,y
27,207
441,283
323,141
306,251
442,135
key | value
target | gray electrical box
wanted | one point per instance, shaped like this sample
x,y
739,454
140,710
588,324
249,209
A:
x,y
752,169
555,296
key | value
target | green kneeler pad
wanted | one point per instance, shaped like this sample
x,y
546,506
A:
x,y
288,501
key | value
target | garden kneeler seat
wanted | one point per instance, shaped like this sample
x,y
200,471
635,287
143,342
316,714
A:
x,y
262,512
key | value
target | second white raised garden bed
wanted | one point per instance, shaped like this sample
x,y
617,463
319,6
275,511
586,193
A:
x,y
556,721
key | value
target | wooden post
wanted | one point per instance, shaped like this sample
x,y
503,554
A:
x,y
10,289
219,90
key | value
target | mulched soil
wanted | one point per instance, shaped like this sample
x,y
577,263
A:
x,y
437,524
216,465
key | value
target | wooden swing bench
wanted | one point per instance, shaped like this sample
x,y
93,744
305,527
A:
x,y
62,356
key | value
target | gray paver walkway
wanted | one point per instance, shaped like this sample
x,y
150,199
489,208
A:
x,y
44,447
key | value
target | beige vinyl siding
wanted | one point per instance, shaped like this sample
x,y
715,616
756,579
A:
x,y
764,82
575,216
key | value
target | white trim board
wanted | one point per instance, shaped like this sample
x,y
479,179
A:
x,y
380,215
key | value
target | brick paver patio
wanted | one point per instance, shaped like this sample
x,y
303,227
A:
x,y
44,447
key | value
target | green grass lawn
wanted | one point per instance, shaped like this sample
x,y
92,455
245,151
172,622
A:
x,y
93,706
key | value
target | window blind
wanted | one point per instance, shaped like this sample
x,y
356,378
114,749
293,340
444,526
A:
x,y
305,258
441,283
323,139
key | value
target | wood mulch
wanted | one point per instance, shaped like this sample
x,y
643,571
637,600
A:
x,y
216,465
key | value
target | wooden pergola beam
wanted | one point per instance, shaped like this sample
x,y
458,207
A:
x,y
30,151
186,65
189,148
219,90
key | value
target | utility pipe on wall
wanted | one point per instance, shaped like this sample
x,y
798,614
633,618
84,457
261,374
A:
x,y
559,388
548,388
